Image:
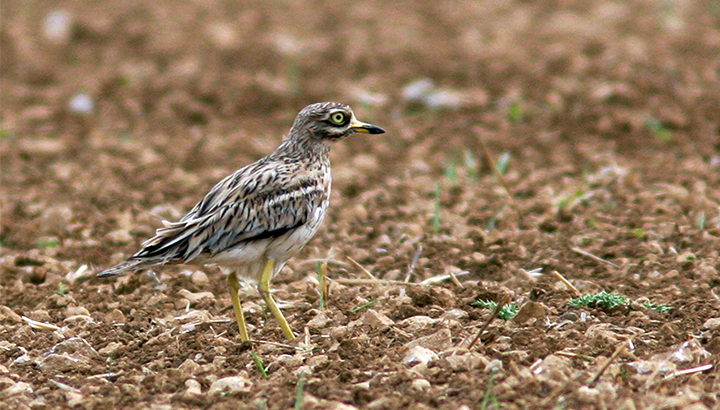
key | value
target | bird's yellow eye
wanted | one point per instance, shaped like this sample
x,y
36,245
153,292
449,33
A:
x,y
337,118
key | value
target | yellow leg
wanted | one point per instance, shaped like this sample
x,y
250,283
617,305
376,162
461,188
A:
x,y
264,289
234,288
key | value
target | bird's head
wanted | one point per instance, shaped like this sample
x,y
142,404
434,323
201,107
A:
x,y
329,122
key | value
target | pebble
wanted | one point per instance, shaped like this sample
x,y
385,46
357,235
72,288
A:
x,y
230,385
418,323
437,341
199,278
115,316
320,321
15,389
192,388
194,297
110,349
376,320
419,354
467,361
420,385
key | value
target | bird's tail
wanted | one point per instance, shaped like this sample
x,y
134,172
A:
x,y
130,265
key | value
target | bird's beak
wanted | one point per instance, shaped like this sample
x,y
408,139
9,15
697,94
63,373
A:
x,y
365,128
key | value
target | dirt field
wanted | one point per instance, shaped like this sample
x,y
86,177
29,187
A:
x,y
603,116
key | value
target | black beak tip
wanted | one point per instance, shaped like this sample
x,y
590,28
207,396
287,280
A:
x,y
374,129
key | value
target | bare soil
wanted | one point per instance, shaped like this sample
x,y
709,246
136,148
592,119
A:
x,y
605,117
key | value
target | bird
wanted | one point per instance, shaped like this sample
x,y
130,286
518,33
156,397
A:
x,y
254,220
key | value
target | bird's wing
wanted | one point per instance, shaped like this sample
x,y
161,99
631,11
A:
x,y
239,208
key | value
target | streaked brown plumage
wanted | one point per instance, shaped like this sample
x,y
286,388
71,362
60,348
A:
x,y
252,221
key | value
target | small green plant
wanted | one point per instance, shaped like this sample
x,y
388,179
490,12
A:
x,y
515,112
490,400
507,312
659,130
300,390
660,308
47,243
259,364
62,291
451,171
601,300
701,221
503,163
366,305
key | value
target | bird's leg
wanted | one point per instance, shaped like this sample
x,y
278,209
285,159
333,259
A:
x,y
264,289
234,288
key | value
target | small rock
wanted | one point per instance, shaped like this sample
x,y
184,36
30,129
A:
x,y
587,394
76,311
437,341
420,385
494,366
57,26
110,349
320,321
81,103
230,385
199,278
192,388
318,360
377,320
115,316
63,362
188,368
416,324
554,367
73,398
419,354
194,297
712,324
530,310
7,314
6,382
467,361
455,314
15,389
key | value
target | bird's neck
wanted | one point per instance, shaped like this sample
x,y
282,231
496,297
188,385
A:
x,y
300,145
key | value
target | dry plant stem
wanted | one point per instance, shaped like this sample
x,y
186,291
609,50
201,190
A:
x,y
362,268
350,281
415,259
455,280
324,288
591,256
497,172
505,300
621,348
692,370
567,283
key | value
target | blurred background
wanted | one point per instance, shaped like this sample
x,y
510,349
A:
x,y
603,116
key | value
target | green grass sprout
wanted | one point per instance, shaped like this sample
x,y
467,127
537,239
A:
x,y
503,163
659,130
300,390
490,400
367,305
259,364
660,308
602,300
506,313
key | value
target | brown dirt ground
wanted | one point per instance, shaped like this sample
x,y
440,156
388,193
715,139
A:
x,y
609,112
